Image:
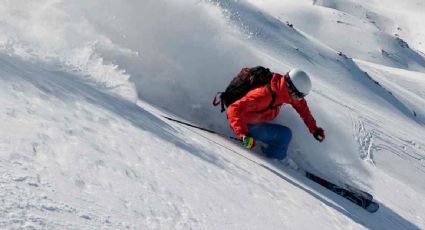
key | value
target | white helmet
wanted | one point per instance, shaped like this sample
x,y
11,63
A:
x,y
300,80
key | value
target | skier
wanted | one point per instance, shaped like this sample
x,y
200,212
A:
x,y
248,116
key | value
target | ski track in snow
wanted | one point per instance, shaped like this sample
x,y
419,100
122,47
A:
x,y
381,146
372,139
365,139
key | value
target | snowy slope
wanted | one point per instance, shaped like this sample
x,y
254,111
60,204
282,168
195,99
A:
x,y
379,33
78,150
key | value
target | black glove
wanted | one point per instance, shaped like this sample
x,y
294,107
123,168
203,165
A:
x,y
319,134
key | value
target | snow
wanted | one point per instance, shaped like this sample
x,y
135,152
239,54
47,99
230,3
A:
x,y
84,86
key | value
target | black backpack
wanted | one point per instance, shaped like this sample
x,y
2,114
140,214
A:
x,y
246,80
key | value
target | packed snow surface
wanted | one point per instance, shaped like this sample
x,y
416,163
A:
x,y
84,86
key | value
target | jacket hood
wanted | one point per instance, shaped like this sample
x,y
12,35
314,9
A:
x,y
278,85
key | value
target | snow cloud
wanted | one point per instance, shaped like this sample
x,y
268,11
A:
x,y
177,54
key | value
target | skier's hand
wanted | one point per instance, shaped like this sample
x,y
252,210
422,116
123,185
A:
x,y
248,142
319,134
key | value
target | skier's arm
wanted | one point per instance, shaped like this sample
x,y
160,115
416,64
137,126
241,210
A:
x,y
238,111
302,109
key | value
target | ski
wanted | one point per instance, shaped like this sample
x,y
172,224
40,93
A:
x,y
358,197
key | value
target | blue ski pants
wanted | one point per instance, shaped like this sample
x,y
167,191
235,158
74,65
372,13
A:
x,y
277,138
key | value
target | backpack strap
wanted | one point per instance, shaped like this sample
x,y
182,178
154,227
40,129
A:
x,y
216,102
271,103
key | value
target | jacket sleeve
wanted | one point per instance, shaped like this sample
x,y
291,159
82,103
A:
x,y
302,109
238,111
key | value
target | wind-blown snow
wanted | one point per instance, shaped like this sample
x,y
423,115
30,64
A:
x,y
83,85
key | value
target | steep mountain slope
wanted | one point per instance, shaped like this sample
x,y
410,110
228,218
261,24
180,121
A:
x,y
74,156
76,151
377,32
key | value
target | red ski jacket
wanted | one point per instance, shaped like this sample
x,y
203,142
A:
x,y
245,110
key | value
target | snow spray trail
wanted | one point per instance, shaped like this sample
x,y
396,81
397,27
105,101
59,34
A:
x,y
59,33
